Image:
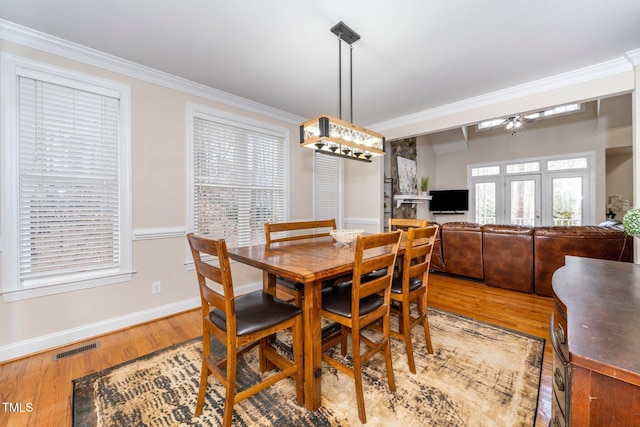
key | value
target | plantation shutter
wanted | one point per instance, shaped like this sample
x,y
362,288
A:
x,y
68,197
239,181
327,183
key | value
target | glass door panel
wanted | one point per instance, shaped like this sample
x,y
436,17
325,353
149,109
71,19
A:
x,y
485,202
523,200
567,200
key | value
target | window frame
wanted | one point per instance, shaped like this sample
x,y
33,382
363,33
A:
x,y
194,111
12,67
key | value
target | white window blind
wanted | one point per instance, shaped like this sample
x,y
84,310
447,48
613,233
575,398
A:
x,y
238,180
68,175
327,183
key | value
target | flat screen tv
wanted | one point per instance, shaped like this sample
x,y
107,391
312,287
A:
x,y
449,200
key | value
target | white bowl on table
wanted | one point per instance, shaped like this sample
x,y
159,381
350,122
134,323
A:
x,y
345,236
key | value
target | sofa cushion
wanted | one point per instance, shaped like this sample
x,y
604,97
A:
x,y
508,256
462,249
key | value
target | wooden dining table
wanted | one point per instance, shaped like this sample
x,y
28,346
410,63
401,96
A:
x,y
311,262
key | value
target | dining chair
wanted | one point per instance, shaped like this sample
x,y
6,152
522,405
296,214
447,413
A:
x,y
411,287
288,231
356,304
403,224
241,323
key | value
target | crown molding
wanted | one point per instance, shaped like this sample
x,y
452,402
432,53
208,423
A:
x,y
633,56
28,37
594,72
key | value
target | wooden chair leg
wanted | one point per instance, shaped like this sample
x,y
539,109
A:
x,y
357,376
387,353
405,321
265,364
230,396
204,375
425,323
343,340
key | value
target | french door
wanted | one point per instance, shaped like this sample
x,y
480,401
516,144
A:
x,y
570,197
553,191
523,199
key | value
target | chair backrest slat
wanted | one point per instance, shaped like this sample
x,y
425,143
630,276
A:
x,y
389,243
298,230
417,254
205,270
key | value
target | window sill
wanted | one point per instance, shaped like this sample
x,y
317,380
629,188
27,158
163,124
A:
x,y
11,295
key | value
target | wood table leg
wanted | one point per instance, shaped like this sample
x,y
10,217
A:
x,y
269,283
268,286
312,304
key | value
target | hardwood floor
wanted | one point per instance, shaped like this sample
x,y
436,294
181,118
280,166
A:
x,y
43,388
521,312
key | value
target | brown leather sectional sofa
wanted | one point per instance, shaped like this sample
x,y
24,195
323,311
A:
x,y
523,258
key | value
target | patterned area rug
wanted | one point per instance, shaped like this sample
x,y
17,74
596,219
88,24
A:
x,y
479,375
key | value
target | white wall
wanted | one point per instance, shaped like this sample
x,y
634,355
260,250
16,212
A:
x,y
363,194
159,221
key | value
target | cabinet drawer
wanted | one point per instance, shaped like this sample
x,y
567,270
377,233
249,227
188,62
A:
x,y
559,331
557,417
560,380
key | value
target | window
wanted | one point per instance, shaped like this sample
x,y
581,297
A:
x,y
485,171
66,174
553,191
551,112
523,167
237,176
328,188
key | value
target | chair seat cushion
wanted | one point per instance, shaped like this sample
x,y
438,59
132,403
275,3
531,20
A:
x,y
337,300
374,275
291,284
297,286
396,285
256,311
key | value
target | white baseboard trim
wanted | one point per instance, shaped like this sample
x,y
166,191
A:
x,y
58,339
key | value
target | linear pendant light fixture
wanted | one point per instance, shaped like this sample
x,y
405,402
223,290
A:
x,y
337,137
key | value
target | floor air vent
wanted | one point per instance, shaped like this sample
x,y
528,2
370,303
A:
x,y
74,351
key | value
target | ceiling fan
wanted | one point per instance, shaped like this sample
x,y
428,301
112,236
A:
x,y
515,123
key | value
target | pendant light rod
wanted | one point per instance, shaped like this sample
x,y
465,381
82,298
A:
x,y
340,78
349,36
351,81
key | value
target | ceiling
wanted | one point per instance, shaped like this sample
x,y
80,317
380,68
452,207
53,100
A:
x,y
412,56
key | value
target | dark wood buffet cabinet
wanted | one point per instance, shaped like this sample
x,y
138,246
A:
x,y
595,332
